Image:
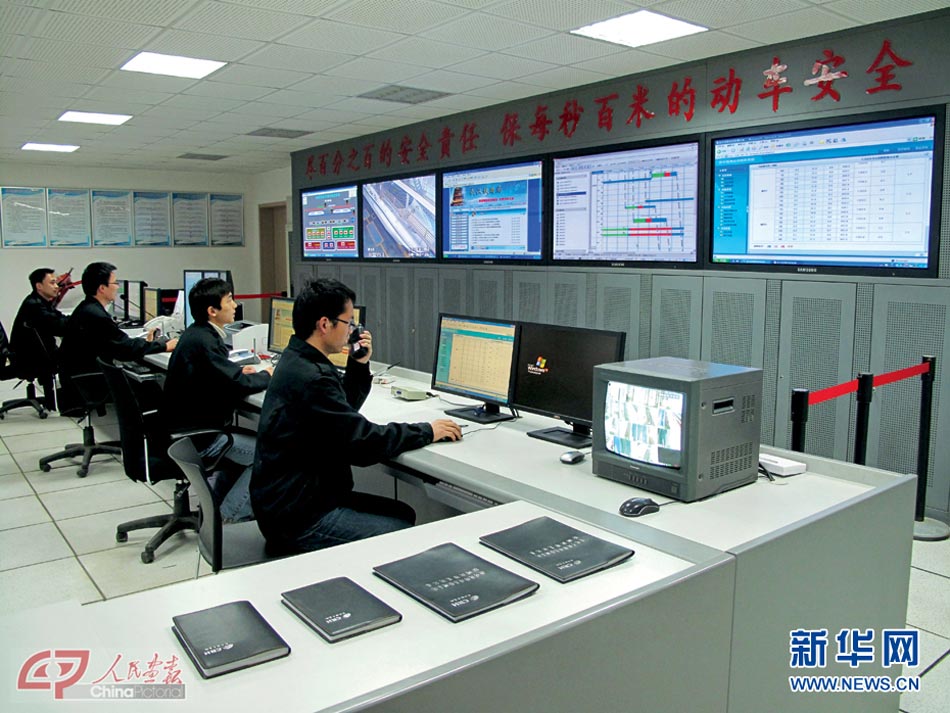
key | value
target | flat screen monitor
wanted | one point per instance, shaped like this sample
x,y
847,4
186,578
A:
x,y
855,197
554,376
493,213
130,303
193,276
473,358
638,205
399,218
152,303
329,225
281,325
339,359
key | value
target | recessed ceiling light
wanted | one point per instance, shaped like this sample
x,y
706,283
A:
x,y
172,65
91,117
640,28
61,148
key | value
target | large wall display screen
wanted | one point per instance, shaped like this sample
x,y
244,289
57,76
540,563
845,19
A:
x,y
492,213
637,205
857,195
399,218
329,222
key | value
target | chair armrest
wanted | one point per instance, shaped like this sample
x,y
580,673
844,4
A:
x,y
178,435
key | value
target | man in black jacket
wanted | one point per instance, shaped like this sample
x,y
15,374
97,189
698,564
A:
x,y
35,328
311,432
203,387
91,332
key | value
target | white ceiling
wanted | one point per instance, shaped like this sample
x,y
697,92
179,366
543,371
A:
x,y
299,64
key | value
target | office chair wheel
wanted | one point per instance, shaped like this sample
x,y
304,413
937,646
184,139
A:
x,y
46,467
82,472
148,557
43,415
121,537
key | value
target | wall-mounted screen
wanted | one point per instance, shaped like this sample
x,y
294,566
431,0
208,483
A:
x,y
329,223
627,206
399,218
493,213
850,197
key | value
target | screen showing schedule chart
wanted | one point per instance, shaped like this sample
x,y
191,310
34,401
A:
x,y
637,205
329,223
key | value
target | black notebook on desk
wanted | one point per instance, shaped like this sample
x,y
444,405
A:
x,y
454,582
227,638
339,608
555,549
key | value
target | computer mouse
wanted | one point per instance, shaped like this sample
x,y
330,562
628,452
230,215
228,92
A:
x,y
572,457
635,507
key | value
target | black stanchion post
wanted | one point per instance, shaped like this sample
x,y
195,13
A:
x,y
923,437
799,418
865,394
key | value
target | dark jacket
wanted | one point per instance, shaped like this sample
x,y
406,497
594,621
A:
x,y
310,433
33,338
203,387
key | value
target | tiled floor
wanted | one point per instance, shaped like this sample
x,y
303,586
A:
x,y
57,541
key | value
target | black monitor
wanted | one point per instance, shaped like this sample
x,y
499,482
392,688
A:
x,y
152,303
399,218
473,358
554,376
193,276
281,324
129,306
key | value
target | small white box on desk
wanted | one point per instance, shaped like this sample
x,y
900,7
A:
x,y
253,338
782,467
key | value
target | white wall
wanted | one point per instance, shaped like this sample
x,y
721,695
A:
x,y
160,267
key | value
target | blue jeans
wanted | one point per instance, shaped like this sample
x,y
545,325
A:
x,y
233,492
361,516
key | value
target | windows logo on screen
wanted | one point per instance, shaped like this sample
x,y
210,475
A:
x,y
540,366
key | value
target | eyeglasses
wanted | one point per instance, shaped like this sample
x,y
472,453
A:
x,y
113,283
350,324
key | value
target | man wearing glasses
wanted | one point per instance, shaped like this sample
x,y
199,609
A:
x,y
311,432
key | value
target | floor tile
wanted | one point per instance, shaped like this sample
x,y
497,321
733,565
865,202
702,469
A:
x,y
932,647
14,485
121,571
3,448
92,499
49,441
934,691
31,460
8,465
94,533
20,512
101,471
28,424
927,604
33,544
933,557
39,584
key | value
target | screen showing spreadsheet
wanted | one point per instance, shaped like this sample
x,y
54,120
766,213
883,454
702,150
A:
x,y
329,225
474,358
856,195
281,326
627,206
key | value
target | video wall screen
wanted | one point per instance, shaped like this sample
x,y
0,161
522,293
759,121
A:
x,y
399,218
493,213
637,205
329,223
856,196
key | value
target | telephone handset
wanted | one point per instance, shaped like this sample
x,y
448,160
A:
x,y
356,349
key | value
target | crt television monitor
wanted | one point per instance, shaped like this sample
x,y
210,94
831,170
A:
x,y
281,325
632,206
683,428
399,218
473,358
193,276
855,197
493,213
339,359
554,376
329,225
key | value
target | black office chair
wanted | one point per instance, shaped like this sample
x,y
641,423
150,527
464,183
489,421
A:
x,y
222,546
9,370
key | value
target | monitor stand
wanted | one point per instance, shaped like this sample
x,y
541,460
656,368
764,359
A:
x,y
577,438
486,413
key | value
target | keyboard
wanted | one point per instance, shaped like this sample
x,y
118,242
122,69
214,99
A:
x,y
136,368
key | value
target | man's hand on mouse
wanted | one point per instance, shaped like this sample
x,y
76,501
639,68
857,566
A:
x,y
445,429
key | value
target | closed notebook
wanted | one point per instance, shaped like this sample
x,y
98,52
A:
x,y
339,608
454,582
555,549
227,638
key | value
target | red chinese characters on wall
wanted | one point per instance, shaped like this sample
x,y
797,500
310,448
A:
x,y
826,77
570,117
405,148
539,128
638,110
884,65
725,92
445,141
386,152
775,84
605,112
678,98
468,138
509,129
423,148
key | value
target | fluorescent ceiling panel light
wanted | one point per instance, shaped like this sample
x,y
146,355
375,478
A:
x,y
639,28
91,117
61,148
171,65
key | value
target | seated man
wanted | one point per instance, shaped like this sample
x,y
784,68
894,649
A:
x,y
311,432
202,389
35,328
91,333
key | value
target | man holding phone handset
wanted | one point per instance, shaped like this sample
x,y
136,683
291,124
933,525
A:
x,y
311,432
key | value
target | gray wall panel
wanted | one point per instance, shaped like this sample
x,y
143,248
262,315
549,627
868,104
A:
x,y
303,273
568,298
489,295
425,312
397,306
618,308
530,296
370,295
733,321
676,322
773,313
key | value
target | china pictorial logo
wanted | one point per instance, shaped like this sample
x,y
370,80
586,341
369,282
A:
x,y
62,670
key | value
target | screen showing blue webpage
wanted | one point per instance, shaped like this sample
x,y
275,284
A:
x,y
644,424
853,195
474,358
637,205
492,213
329,223
399,218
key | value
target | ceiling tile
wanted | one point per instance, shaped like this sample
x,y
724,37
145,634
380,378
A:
x,y
258,76
9,46
504,91
486,32
559,15
362,67
94,30
73,53
153,12
367,106
335,116
228,91
867,11
238,21
282,56
109,107
501,66
19,20
723,13
277,111
564,49
428,53
314,8
337,86
421,112
792,25
44,88
706,44
564,77
117,94
341,36
29,69
194,103
629,62
138,81
409,16
461,102
202,45
444,81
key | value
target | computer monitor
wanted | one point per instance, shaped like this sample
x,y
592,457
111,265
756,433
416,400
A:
x,y
339,359
328,223
399,218
193,276
129,304
152,303
554,376
683,428
473,358
281,324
